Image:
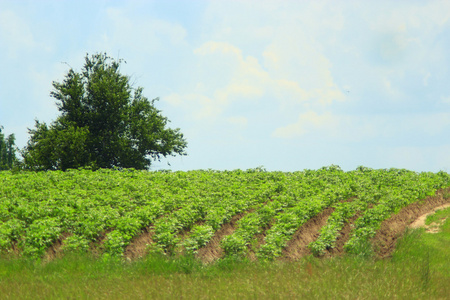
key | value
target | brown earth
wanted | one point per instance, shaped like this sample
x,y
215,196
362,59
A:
x,y
386,238
297,247
55,250
138,245
97,247
433,227
212,251
342,238
14,251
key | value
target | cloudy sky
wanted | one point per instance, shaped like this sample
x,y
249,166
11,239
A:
x,y
288,85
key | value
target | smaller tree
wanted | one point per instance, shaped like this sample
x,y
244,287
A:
x,y
7,151
56,147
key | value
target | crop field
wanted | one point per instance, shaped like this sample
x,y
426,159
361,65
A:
x,y
209,214
312,234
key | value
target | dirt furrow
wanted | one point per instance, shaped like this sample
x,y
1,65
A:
x,y
212,251
55,250
297,247
138,245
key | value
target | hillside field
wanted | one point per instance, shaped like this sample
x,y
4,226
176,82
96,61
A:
x,y
209,214
313,234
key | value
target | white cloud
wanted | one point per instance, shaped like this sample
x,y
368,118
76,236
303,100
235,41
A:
x,y
248,69
306,123
212,47
240,79
426,79
289,67
200,106
245,79
174,99
296,57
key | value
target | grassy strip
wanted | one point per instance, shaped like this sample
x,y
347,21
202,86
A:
x,y
162,278
440,215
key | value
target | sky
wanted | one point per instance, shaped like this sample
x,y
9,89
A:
x,y
284,85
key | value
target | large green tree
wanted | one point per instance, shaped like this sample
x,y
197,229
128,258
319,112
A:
x,y
7,151
104,123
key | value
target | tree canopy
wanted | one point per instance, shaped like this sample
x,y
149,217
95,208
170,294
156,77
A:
x,y
104,123
7,151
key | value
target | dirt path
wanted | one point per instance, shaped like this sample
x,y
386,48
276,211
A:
x,y
420,222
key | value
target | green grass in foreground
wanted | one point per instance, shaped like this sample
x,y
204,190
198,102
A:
x,y
419,269
438,216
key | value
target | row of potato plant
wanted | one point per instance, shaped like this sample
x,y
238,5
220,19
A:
x,y
37,208
380,193
248,189
303,195
334,186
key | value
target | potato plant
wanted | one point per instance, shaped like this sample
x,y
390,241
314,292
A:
x,y
185,209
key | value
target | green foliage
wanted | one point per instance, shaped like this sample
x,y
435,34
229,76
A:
x,y
57,147
379,194
40,235
10,230
86,204
185,209
8,149
104,123
199,237
76,244
317,190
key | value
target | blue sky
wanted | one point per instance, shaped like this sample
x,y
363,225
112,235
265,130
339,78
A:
x,y
288,85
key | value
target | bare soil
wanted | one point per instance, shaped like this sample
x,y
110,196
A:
x,y
55,250
343,237
432,228
212,251
138,245
297,247
258,241
97,247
